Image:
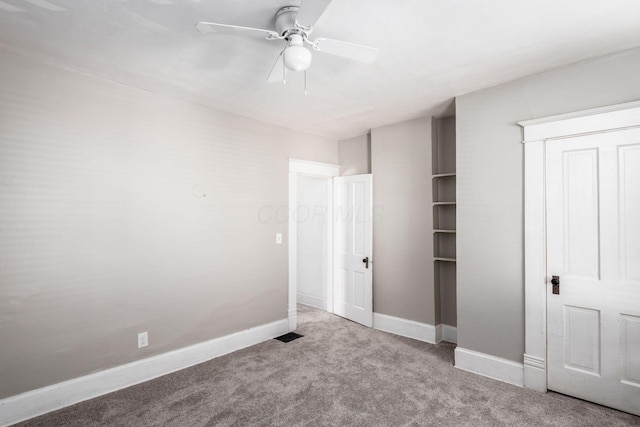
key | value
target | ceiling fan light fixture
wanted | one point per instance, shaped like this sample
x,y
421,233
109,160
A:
x,y
294,24
297,58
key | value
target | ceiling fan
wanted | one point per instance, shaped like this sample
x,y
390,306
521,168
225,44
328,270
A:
x,y
294,24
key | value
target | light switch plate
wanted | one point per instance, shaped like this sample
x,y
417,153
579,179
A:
x,y
278,238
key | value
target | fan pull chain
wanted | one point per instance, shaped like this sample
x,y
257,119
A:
x,y
284,68
305,82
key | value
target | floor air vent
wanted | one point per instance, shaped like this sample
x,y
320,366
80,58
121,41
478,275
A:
x,y
288,337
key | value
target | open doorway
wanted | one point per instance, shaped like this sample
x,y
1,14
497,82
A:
x,y
310,236
325,210
311,216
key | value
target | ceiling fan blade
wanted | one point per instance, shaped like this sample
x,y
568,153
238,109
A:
x,y
310,11
279,71
211,27
353,51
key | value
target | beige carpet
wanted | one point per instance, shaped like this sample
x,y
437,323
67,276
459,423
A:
x,y
340,374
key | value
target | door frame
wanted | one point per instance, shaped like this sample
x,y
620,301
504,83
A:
x,y
315,170
537,134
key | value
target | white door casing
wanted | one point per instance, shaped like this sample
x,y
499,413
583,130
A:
x,y
538,134
353,230
593,246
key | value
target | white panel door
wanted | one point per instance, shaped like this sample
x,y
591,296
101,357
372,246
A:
x,y
353,278
593,245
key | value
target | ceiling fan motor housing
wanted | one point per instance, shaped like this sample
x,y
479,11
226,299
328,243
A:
x,y
286,20
296,57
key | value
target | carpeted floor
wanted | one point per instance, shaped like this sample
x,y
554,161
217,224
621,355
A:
x,y
339,373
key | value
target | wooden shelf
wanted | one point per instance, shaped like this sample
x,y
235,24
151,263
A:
x,y
442,175
443,203
444,259
444,231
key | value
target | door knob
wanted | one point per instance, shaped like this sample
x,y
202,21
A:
x,y
555,282
366,262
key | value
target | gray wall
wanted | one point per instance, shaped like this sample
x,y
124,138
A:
x,y
354,155
403,218
102,236
490,189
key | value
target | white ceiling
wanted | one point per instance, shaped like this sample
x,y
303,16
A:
x,y
430,51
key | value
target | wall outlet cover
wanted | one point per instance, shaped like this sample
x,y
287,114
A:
x,y
143,339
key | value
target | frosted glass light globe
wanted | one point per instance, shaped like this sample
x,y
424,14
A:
x,y
297,58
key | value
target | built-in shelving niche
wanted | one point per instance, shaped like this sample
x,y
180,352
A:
x,y
444,217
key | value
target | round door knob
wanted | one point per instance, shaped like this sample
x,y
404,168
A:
x,y
555,281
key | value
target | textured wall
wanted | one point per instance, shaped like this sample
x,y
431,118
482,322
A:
x,y
490,290
102,234
403,221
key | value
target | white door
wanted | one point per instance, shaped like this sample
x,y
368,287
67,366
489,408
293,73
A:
x,y
593,246
353,278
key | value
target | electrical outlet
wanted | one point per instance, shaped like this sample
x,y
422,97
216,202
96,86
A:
x,y
278,238
143,339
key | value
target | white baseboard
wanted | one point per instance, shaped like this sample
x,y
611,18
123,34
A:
x,y
416,330
449,333
312,301
406,328
490,366
37,402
